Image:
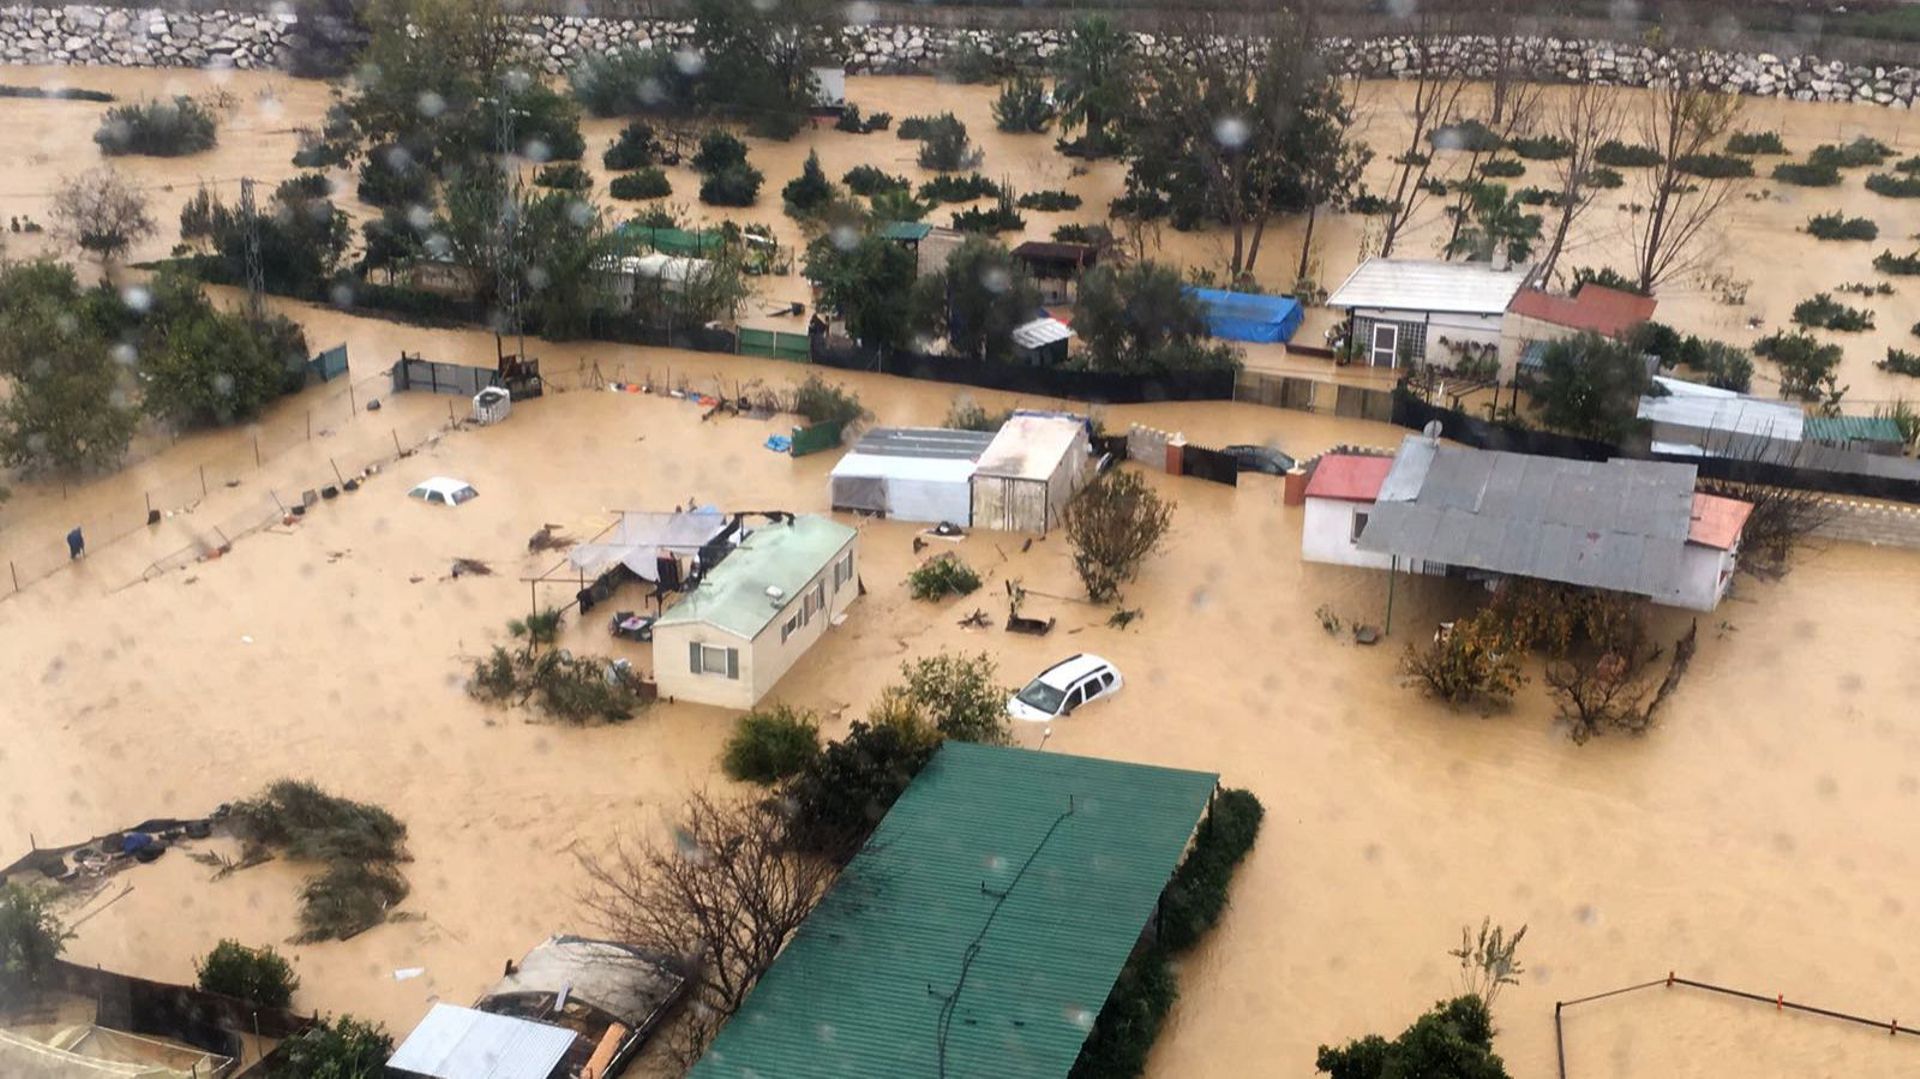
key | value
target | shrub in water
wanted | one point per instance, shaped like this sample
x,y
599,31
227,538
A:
x,y
735,185
256,975
1049,201
1836,226
1504,168
1198,891
1826,313
1900,362
1369,204
1755,142
1468,135
1536,196
635,147
1541,147
959,188
719,150
1806,174
648,183
1001,217
821,401
897,204
1714,166
1909,165
1894,186
1622,155
169,128
1860,152
808,192
565,176
391,177
945,148
942,576
1899,265
771,744
1023,107
1605,179
868,180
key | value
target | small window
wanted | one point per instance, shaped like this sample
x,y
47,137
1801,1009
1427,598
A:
x,y
1106,681
709,659
1073,700
792,626
842,572
820,595
1359,526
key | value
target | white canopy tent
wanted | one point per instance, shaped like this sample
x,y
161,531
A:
x,y
639,539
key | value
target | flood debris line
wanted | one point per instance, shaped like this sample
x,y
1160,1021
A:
x,y
359,847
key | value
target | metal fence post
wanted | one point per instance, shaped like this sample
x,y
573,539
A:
x,y
203,481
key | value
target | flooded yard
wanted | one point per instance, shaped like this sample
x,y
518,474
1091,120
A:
x,y
1759,836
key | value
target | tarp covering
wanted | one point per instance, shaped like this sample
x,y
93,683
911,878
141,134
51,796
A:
x,y
639,538
101,1054
1243,316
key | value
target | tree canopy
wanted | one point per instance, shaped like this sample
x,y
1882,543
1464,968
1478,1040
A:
x,y
1453,1041
1140,319
1590,386
986,295
869,279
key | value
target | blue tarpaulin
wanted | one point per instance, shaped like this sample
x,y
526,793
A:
x,y
1244,316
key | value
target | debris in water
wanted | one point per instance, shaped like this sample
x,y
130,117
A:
x,y
470,567
548,539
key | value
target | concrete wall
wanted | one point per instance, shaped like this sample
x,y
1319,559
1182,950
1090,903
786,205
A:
x,y
1326,534
1872,523
252,33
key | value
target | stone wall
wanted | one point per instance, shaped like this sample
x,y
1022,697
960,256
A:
x,y
148,37
1872,523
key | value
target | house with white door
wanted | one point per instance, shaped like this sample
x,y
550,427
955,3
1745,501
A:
x,y
729,641
1403,312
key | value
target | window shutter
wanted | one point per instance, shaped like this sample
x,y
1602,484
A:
x,y
733,663
694,650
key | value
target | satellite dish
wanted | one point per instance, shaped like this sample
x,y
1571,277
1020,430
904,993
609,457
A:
x,y
1432,429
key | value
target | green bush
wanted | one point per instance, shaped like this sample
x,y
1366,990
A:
x,y
1023,107
541,627
1453,1041
942,576
1894,186
1755,142
635,147
1907,164
389,176
563,176
868,180
735,185
957,696
1094,235
1807,367
1826,313
1198,892
629,81
1124,1032
1501,168
648,183
719,150
771,744
1900,362
1001,217
31,936
1536,196
257,975
1605,179
157,128
1713,166
944,146
1368,204
809,192
1861,152
1049,201
1837,226
1541,147
897,204
850,784
1898,265
1622,155
851,121
1471,136
952,188
1806,174
345,1048
358,844
820,401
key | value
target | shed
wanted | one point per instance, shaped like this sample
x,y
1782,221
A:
x,y
464,1043
730,640
1032,468
612,995
1042,342
1536,317
1245,316
1694,420
981,928
1868,434
1412,309
1056,266
910,474
1339,500
674,241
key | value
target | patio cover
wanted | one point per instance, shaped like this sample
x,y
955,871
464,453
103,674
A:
x,y
637,540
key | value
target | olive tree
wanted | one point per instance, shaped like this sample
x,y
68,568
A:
x,y
1113,525
101,213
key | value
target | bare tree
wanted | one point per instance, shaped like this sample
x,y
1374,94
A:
x,y
1438,81
1601,687
1113,524
1783,522
1515,107
101,213
1587,116
1680,118
725,895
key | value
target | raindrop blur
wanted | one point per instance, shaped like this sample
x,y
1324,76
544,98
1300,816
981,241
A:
x,y
579,213
845,237
124,354
996,279
136,297
341,295
430,104
419,216
537,151
538,277
861,13
1231,132
689,62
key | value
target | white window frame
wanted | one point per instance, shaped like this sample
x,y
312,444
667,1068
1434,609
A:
x,y
728,665
1374,349
791,626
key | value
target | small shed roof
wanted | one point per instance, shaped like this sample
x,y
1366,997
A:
x,y
1056,252
1716,411
979,931
734,597
462,1043
1718,522
914,453
626,983
1852,429
1040,332
1597,308
1473,288
1351,477
1030,447
909,231
1621,525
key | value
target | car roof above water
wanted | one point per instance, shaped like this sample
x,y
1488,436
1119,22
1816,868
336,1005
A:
x,y
1072,669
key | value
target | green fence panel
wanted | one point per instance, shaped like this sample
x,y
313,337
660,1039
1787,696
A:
x,y
821,436
792,346
758,343
329,364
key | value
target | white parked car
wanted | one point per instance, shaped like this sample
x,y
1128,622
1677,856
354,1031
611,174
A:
x,y
1064,687
442,491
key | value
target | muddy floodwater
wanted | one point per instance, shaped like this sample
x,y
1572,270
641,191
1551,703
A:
x,y
1760,837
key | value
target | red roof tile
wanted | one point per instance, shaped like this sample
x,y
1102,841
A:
x,y
1717,522
1352,477
1597,308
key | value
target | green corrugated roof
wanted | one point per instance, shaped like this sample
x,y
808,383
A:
x,y
785,556
906,230
673,241
860,989
1851,428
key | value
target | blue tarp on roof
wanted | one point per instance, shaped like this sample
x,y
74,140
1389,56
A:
x,y
1244,316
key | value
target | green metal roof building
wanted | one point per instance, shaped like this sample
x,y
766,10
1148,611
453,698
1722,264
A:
x,y
979,931
1855,432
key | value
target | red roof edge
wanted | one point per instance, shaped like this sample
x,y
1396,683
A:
x,y
1717,522
1350,477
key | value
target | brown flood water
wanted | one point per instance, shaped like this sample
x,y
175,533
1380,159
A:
x,y
1757,838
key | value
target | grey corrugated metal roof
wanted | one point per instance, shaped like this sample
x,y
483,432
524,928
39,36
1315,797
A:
x,y
1620,525
1474,288
461,1043
980,930
1709,410
626,983
1041,331
940,443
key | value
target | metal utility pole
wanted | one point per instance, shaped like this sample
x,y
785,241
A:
x,y
256,276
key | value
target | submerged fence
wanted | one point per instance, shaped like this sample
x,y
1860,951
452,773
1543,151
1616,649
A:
x,y
1779,1002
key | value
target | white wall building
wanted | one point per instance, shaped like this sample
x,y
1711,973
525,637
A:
x,y
1030,471
1339,496
1407,311
728,641
910,474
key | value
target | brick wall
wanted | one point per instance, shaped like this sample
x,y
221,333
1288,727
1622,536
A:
x,y
1872,523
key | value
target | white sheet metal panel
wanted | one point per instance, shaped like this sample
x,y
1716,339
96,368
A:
x,y
461,1043
929,489
1430,285
1041,331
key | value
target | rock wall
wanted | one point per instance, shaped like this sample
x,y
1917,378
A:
x,y
1872,523
150,37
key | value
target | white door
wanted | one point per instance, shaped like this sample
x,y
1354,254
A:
x,y
1385,351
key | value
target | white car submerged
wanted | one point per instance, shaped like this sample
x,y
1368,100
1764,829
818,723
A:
x,y
1064,687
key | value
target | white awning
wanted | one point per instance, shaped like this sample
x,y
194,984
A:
x,y
1039,332
461,1043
